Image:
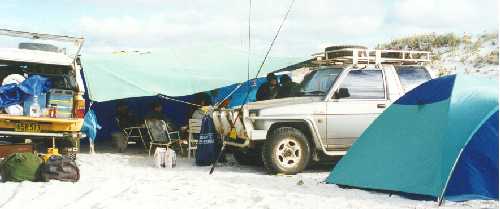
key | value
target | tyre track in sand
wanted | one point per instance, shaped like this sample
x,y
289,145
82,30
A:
x,y
11,196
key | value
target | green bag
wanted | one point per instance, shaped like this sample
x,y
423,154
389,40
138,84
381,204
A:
x,y
20,167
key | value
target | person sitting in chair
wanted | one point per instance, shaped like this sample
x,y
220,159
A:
x,y
124,119
202,99
156,122
157,114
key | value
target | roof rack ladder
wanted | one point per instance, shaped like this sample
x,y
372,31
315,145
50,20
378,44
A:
x,y
378,57
354,56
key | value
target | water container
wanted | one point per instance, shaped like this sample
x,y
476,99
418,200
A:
x,y
35,110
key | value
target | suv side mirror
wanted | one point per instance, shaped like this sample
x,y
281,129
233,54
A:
x,y
342,93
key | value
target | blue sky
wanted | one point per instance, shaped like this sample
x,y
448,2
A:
x,y
145,24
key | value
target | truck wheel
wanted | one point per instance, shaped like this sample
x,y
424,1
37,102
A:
x,y
248,157
287,151
69,147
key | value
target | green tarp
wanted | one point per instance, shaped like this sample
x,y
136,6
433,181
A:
x,y
173,72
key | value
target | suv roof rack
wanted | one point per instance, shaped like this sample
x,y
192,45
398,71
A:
x,y
371,56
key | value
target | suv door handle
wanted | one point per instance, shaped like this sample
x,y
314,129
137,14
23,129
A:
x,y
380,106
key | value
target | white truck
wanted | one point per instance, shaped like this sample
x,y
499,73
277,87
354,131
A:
x,y
338,101
62,67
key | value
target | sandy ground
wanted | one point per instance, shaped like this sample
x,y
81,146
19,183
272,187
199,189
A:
x,y
111,180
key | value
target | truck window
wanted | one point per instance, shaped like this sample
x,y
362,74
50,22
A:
x,y
412,76
319,82
364,84
61,77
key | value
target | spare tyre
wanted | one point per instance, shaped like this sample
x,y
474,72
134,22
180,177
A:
x,y
332,54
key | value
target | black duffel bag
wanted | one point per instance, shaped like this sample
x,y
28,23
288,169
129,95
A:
x,y
59,168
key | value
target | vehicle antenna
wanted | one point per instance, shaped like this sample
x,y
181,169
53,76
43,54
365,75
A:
x,y
256,76
249,38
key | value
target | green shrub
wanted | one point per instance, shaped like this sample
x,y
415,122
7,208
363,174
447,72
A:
x,y
425,42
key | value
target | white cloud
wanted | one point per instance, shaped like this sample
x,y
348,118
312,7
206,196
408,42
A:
x,y
311,25
446,13
226,23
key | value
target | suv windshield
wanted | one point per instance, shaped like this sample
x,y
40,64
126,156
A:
x,y
318,82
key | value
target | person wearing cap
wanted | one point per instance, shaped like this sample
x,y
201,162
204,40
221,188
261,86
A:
x,y
288,88
268,90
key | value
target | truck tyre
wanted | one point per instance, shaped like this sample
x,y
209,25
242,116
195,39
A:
x,y
69,147
248,157
286,151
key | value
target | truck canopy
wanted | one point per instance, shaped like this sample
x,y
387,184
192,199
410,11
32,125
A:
x,y
35,56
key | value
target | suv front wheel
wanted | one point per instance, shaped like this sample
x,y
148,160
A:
x,y
287,151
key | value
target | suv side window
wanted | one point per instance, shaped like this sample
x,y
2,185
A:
x,y
364,84
412,76
319,81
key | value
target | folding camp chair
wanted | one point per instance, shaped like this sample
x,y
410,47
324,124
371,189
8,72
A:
x,y
194,128
134,133
159,134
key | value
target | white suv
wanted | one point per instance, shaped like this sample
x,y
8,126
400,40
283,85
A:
x,y
338,101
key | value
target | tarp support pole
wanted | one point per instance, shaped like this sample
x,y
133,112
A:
x,y
231,94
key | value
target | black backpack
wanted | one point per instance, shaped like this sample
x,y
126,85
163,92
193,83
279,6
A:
x,y
59,168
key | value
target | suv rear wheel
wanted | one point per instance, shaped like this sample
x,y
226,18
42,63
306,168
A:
x,y
287,151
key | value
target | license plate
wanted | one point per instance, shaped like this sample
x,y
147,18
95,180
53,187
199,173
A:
x,y
28,127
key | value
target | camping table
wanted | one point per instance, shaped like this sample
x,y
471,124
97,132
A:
x,y
135,132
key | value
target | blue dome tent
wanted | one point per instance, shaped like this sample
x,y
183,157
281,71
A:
x,y
439,140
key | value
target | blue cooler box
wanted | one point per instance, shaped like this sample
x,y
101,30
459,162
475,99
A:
x,y
64,101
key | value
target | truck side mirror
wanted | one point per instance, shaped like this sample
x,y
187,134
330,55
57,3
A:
x,y
342,93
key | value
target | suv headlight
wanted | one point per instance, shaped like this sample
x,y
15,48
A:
x,y
253,113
